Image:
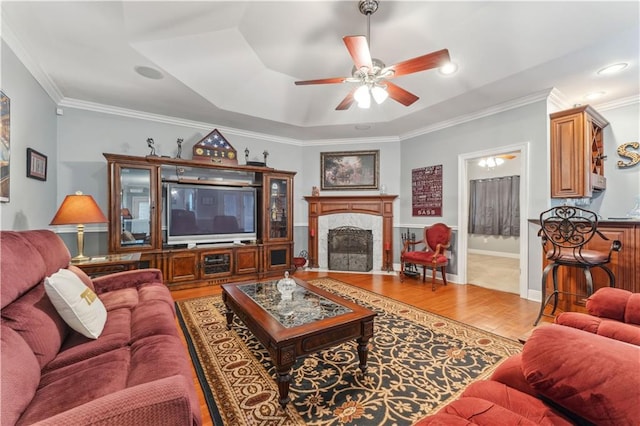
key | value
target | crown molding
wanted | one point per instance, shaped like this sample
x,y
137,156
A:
x,y
158,118
618,103
557,100
18,48
496,109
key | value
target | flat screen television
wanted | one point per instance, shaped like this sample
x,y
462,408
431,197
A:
x,y
199,214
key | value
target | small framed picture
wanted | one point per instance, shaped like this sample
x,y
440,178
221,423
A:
x,y
36,165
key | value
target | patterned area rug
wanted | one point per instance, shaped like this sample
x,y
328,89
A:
x,y
417,363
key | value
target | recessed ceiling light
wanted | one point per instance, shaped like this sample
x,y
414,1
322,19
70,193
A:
x,y
612,69
448,68
149,72
594,95
362,127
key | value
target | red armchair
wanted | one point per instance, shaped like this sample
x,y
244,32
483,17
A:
x,y
437,239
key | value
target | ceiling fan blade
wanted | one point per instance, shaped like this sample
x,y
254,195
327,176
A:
x,y
399,94
347,101
322,81
421,63
359,50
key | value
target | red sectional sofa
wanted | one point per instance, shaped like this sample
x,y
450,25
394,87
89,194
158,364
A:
x,y
136,372
612,312
568,373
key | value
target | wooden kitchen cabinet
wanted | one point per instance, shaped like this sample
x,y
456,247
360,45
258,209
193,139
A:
x,y
577,153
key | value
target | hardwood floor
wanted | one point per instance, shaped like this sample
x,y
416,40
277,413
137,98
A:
x,y
504,314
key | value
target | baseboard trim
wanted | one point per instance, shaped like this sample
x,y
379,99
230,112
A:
x,y
494,253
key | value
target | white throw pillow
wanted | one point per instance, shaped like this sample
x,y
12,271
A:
x,y
76,303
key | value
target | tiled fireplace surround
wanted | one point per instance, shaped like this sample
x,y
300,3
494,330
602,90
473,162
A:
x,y
374,212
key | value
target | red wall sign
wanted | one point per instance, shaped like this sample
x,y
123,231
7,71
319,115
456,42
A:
x,y
426,191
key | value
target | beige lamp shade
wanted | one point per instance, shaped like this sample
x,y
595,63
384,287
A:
x,y
78,209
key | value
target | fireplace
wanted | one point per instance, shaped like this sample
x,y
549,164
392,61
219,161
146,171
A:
x,y
328,212
350,249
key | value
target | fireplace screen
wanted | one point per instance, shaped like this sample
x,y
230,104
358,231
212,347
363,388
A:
x,y
350,249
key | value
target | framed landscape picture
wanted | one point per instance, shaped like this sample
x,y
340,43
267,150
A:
x,y
349,170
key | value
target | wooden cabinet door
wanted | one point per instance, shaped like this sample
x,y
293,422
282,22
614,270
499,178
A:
x,y
277,257
183,266
569,178
247,260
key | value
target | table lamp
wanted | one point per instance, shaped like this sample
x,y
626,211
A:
x,y
79,209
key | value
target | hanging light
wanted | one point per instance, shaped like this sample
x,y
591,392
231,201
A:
x,y
490,162
362,96
379,93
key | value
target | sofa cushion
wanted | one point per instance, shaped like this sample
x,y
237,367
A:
x,y
116,334
36,320
76,303
568,367
77,384
613,329
54,252
510,373
475,411
15,278
19,374
523,404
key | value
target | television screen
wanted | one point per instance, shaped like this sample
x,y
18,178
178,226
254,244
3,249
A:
x,y
210,214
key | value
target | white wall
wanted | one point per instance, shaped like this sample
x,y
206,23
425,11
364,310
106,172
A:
x,y
32,203
623,184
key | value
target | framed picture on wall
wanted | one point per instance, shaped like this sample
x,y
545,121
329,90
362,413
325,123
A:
x,y
349,170
36,165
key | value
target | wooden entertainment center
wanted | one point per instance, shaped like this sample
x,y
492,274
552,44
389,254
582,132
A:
x,y
139,209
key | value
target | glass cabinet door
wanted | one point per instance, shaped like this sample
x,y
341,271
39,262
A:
x,y
136,206
279,214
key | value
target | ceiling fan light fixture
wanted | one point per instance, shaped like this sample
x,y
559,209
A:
x,y
362,96
379,93
448,68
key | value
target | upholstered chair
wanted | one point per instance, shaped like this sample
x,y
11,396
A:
x,y
430,252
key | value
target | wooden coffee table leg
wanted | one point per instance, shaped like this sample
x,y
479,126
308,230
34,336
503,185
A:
x,y
284,380
363,349
363,352
229,315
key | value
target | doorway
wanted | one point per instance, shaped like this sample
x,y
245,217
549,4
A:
x,y
466,164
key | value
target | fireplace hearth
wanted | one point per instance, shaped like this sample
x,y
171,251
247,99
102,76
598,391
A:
x,y
350,249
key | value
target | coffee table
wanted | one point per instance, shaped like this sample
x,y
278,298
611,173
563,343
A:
x,y
297,319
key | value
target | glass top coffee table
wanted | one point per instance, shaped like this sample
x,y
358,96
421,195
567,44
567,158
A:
x,y
292,318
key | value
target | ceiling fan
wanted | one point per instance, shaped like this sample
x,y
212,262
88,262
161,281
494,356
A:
x,y
372,75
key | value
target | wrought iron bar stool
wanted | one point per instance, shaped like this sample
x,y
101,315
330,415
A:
x,y
565,231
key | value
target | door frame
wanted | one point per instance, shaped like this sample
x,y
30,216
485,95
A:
x,y
463,208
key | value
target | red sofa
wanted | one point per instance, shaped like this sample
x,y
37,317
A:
x,y
612,312
136,372
563,376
